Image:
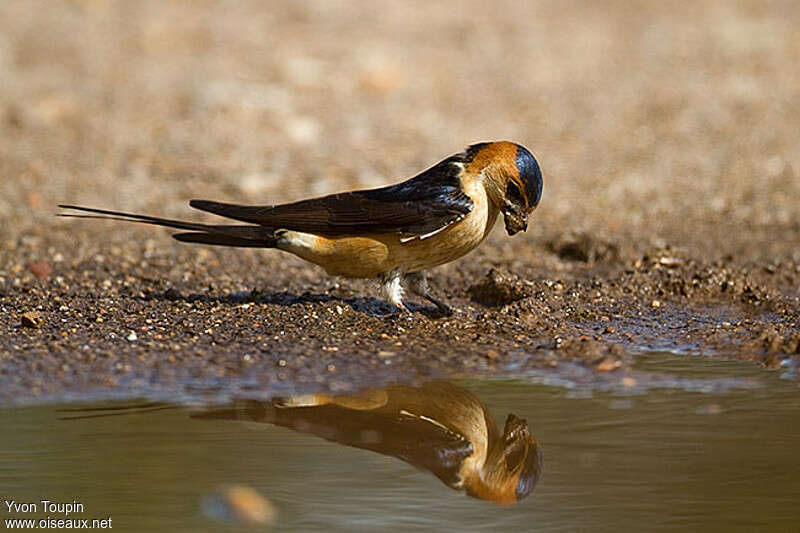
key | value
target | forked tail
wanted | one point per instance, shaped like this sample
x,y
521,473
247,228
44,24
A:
x,y
244,235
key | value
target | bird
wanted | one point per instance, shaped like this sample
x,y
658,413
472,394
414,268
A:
x,y
436,426
393,233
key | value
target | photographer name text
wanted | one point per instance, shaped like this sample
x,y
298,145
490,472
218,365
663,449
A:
x,y
47,506
51,507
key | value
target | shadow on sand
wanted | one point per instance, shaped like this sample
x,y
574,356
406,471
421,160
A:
x,y
373,307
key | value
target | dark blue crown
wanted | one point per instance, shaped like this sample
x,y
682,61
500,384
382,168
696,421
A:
x,y
530,174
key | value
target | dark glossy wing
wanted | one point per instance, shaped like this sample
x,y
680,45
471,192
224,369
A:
x,y
421,443
425,204
425,445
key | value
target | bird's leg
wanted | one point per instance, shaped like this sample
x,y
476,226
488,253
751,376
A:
x,y
393,290
418,283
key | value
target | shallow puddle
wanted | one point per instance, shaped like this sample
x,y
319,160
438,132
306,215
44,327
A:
x,y
664,459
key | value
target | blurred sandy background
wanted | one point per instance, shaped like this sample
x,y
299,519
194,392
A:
x,y
672,122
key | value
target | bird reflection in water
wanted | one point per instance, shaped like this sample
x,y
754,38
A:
x,y
439,427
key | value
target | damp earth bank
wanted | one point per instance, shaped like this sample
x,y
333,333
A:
x,y
139,320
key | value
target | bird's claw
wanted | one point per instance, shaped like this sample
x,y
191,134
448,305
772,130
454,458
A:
x,y
443,308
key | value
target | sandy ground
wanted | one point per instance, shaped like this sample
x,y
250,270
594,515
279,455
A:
x,y
668,134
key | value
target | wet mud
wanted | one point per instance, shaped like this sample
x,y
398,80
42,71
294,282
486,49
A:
x,y
91,327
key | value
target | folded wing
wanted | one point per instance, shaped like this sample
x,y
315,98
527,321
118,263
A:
x,y
422,205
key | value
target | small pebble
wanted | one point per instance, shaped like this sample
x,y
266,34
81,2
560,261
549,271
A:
x,y
608,364
172,295
240,504
31,319
40,269
670,262
132,337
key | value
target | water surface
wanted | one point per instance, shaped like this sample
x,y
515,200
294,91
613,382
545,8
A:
x,y
664,460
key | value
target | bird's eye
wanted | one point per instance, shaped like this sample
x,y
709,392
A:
x,y
513,194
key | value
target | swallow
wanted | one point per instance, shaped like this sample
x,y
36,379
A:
x,y
394,233
438,427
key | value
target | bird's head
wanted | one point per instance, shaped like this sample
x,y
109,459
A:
x,y
514,180
523,191
512,468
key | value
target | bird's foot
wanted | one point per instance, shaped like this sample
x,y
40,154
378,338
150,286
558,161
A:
x,y
418,283
400,312
443,310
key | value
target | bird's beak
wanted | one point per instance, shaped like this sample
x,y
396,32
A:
x,y
515,223
515,426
